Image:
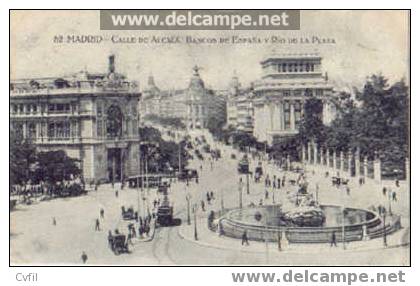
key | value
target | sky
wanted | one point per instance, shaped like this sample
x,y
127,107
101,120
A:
x,y
366,42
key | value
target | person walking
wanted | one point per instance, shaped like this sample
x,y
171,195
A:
x,y
203,204
245,238
97,225
54,222
102,213
84,257
333,240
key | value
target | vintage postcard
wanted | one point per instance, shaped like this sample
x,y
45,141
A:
x,y
210,137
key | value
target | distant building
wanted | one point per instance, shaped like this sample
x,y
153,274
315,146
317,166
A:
x,y
195,106
93,117
287,81
239,107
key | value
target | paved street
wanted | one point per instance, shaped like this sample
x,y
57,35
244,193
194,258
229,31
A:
x,y
35,240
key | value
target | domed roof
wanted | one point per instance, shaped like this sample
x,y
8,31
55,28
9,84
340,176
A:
x,y
196,82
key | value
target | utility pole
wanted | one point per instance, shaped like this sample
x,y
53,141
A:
x,y
384,225
188,198
195,222
240,192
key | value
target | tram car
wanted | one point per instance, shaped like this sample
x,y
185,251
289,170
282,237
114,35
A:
x,y
243,165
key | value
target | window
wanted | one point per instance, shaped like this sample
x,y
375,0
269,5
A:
x,y
308,68
298,113
284,67
295,67
286,110
301,67
99,132
290,67
312,67
59,130
51,130
59,108
99,110
34,108
32,130
20,108
14,108
319,92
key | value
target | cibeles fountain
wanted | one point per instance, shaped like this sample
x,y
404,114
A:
x,y
301,219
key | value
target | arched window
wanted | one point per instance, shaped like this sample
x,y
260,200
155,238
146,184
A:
x,y
114,121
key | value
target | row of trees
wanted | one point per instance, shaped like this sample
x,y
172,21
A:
x,y
26,164
172,122
162,155
374,120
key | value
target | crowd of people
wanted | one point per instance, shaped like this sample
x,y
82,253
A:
x,y
26,193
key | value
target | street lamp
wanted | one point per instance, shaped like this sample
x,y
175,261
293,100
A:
x,y
343,212
195,221
188,198
240,192
222,205
389,201
384,226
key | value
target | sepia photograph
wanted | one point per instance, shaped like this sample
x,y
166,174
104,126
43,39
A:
x,y
209,138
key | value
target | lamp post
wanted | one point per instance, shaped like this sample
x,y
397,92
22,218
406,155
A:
x,y
222,205
188,198
247,182
389,201
195,221
240,192
343,229
384,226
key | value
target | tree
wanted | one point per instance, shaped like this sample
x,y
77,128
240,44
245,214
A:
x,y
311,126
22,155
55,166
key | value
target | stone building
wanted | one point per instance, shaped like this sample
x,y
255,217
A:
x,y
195,106
93,117
239,107
287,81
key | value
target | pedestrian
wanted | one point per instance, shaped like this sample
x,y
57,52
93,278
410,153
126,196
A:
x,y
384,191
84,257
54,222
116,193
203,206
212,195
245,238
333,240
129,240
348,190
97,225
266,194
278,183
397,183
394,196
102,213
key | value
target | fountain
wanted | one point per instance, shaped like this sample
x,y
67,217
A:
x,y
301,219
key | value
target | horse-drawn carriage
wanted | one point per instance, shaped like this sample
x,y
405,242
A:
x,y
118,244
128,214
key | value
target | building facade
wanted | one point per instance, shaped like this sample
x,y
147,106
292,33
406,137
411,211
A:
x,y
287,81
92,117
195,106
239,107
